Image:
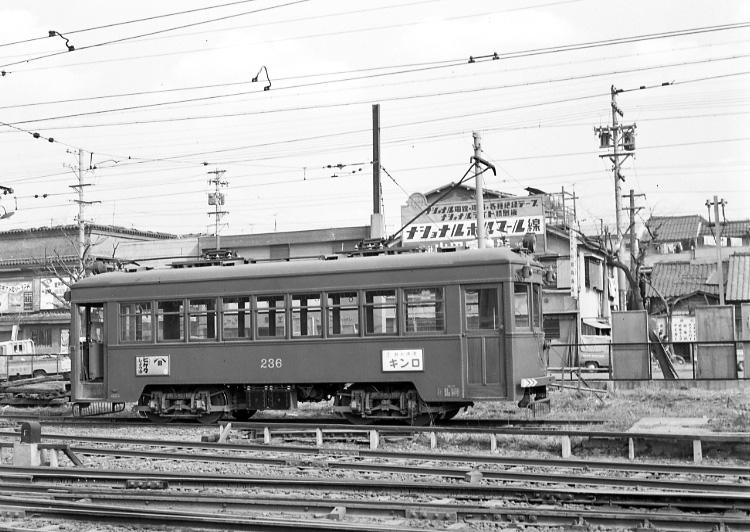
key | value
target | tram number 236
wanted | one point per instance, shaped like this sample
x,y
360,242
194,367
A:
x,y
270,363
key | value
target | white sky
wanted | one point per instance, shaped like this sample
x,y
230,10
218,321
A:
x,y
154,109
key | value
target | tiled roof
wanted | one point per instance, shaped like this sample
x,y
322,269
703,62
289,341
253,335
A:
x,y
738,284
674,279
673,228
736,229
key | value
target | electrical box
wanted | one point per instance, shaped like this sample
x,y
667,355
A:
x,y
31,432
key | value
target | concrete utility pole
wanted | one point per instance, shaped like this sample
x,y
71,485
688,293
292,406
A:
x,y
81,219
216,199
377,223
717,235
610,137
480,189
633,251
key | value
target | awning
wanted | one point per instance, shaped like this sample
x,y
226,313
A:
x,y
593,322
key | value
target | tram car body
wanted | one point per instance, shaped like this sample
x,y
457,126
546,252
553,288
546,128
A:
x,y
412,337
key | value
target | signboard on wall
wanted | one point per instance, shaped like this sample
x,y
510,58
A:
x,y
573,266
683,328
52,294
467,229
505,219
12,295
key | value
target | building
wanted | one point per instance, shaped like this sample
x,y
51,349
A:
x,y
36,267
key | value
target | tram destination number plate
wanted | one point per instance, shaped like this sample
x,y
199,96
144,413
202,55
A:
x,y
403,360
153,365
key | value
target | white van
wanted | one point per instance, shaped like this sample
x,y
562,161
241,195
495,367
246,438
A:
x,y
18,359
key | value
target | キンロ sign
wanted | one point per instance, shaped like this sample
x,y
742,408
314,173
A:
x,y
403,360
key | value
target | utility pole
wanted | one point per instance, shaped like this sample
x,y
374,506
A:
x,y
633,251
717,235
377,223
480,189
81,219
609,136
217,199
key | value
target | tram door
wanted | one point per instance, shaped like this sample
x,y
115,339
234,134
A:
x,y
483,342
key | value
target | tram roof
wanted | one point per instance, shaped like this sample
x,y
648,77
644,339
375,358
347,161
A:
x,y
378,263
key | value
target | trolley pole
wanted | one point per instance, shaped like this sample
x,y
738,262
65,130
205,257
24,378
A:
x,y
480,190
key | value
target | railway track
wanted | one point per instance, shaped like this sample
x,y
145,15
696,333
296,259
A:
x,y
241,512
104,421
276,487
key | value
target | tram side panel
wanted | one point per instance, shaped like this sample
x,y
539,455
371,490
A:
x,y
433,365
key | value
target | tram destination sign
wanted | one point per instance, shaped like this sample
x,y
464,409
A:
x,y
152,365
403,360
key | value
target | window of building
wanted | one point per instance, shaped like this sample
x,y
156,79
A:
x,y
270,317
343,314
593,272
560,327
42,337
306,315
136,323
481,309
424,310
236,322
170,320
380,312
521,305
202,318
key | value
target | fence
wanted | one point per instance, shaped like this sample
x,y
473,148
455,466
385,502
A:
x,y
654,360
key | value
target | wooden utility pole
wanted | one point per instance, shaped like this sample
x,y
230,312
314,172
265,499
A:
x,y
717,236
609,136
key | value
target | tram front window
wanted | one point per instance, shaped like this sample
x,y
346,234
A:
x,y
521,305
481,309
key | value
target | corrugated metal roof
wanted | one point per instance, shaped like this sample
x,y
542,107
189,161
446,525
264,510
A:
x,y
674,279
738,285
673,228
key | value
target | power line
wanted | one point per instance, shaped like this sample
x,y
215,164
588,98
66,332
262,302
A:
x,y
157,32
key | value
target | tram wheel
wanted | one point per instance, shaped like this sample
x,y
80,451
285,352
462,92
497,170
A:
x,y
449,414
217,398
243,415
144,400
156,418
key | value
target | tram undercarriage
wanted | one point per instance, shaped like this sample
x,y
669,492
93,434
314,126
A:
x,y
360,404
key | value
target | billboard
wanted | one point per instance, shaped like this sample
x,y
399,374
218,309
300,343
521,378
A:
x,y
506,220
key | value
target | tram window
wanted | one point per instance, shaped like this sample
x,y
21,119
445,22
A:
x,y
202,319
236,318
521,305
271,317
423,310
537,302
380,312
306,315
136,322
170,318
480,307
343,314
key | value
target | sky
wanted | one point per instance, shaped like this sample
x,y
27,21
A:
x,y
152,101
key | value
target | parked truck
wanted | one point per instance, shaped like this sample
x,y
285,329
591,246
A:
x,y
18,359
